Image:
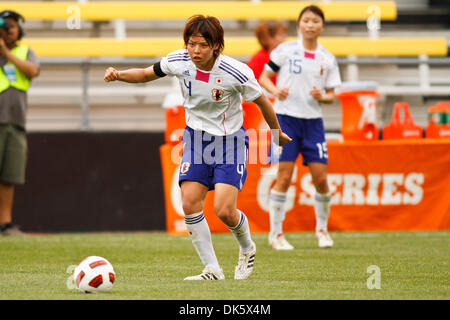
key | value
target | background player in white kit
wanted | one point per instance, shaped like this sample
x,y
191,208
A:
x,y
307,76
212,86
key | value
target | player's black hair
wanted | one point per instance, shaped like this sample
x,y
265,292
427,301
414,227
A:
x,y
314,9
209,28
16,16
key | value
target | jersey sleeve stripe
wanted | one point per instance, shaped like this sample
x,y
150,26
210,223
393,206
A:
x,y
234,69
178,56
180,59
233,74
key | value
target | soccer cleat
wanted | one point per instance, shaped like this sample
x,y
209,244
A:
x,y
208,274
245,264
323,239
279,242
12,230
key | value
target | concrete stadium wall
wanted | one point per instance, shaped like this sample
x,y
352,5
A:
x,y
78,182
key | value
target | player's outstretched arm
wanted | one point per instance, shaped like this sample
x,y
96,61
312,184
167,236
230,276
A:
x,y
130,75
271,118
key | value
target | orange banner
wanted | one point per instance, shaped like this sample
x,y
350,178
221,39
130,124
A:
x,y
376,186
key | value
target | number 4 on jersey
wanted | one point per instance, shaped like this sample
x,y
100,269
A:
x,y
188,86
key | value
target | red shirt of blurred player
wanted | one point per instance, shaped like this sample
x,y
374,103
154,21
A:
x,y
270,34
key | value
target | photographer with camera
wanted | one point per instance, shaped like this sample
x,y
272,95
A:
x,y
18,65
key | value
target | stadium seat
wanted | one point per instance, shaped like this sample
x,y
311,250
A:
x,y
402,129
234,46
166,10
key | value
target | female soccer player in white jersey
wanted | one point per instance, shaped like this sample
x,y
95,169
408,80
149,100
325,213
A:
x,y
307,76
215,144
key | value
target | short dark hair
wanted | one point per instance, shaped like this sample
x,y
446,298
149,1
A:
x,y
209,27
313,9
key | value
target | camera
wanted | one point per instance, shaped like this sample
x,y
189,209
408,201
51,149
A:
x,y
4,24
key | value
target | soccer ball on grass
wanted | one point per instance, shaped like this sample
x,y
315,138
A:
x,y
94,274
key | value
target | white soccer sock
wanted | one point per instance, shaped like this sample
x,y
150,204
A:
x,y
322,210
277,212
201,239
242,233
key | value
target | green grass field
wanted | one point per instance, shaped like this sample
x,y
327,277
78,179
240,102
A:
x,y
151,266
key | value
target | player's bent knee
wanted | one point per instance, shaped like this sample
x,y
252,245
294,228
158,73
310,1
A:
x,y
191,207
224,212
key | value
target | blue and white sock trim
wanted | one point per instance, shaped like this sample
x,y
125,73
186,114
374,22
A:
x,y
195,219
277,196
241,222
322,197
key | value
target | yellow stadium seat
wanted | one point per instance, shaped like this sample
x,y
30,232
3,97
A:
x,y
234,46
166,10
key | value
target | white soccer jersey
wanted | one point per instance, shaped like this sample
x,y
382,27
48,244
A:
x,y
212,99
300,70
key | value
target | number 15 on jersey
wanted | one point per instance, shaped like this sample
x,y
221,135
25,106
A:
x,y
322,149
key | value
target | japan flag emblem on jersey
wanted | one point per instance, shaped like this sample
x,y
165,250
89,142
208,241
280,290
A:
x,y
217,94
218,80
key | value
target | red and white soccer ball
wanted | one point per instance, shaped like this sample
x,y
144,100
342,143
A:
x,y
94,274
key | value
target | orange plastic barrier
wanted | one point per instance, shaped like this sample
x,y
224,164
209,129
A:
x,y
382,185
358,116
434,131
398,129
175,123
253,117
